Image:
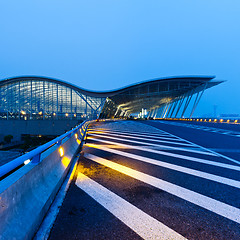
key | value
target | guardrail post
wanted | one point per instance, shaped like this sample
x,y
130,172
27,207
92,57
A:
x,y
36,159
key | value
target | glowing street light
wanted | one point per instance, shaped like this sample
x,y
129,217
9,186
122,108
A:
x,y
61,151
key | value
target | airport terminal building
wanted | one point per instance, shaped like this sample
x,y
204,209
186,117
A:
x,y
33,97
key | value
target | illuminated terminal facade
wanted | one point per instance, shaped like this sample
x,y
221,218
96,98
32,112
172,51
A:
x,y
32,97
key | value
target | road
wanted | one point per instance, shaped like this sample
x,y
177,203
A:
x,y
153,180
220,137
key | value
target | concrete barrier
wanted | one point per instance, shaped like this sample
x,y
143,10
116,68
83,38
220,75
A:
x,y
26,195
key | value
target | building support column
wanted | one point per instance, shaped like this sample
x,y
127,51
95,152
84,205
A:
x,y
179,105
198,97
169,111
188,100
174,107
163,112
155,113
166,111
152,113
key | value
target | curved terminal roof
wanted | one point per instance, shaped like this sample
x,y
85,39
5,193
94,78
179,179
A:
x,y
147,94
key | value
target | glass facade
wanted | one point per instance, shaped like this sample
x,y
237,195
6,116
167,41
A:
x,y
41,99
32,97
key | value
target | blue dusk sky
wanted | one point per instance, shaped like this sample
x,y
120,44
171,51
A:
x,y
104,45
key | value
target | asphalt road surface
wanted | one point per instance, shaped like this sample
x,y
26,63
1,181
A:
x,y
153,180
220,137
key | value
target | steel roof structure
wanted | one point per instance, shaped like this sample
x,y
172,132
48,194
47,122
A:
x,y
34,97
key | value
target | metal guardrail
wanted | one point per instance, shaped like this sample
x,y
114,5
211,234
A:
x,y
35,155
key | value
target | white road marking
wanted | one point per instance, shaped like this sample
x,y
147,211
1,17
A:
x,y
157,145
209,129
208,203
188,158
167,137
143,224
159,132
196,173
176,138
141,138
216,153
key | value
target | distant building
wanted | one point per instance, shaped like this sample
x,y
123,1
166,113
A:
x,y
229,116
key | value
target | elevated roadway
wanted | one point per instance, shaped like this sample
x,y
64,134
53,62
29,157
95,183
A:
x,y
153,180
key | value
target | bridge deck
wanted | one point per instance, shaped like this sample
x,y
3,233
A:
x,y
137,181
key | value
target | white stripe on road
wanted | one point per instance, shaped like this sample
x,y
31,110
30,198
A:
x,y
196,173
157,145
176,138
187,158
216,153
210,129
166,137
141,138
159,132
144,225
208,203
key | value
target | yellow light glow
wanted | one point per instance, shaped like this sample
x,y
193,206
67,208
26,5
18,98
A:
x,y
65,161
120,168
75,115
27,162
228,121
61,151
200,120
99,132
76,136
197,119
23,112
40,113
215,120
73,171
101,146
210,120
54,114
221,120
78,141
236,121
66,114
